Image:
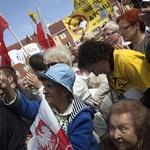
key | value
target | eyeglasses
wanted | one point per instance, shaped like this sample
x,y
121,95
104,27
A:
x,y
47,67
108,34
124,28
51,64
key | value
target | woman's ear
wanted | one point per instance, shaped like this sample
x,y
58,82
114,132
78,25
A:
x,y
137,25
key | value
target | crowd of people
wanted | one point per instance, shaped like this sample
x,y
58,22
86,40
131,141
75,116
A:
x,y
99,91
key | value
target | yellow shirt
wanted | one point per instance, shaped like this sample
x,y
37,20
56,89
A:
x,y
130,70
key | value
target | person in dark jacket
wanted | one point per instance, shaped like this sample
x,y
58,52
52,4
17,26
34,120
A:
x,y
13,80
13,130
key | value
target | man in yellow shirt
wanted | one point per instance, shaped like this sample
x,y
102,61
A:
x,y
128,71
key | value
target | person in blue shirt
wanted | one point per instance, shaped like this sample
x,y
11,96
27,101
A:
x,y
75,116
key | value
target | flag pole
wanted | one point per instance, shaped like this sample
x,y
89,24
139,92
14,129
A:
x,y
48,43
18,41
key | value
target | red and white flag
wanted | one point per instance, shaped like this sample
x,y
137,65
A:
x,y
3,50
44,36
47,132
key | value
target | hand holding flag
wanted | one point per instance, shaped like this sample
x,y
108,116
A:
x,y
47,132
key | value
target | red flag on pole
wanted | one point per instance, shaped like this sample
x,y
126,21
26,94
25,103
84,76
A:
x,y
44,36
3,50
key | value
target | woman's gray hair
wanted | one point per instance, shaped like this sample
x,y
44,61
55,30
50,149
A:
x,y
58,54
112,25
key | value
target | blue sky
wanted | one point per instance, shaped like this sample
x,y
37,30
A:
x,y
14,12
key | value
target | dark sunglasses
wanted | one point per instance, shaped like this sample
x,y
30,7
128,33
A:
x,y
47,67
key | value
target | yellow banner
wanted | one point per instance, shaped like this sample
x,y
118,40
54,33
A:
x,y
32,15
95,13
79,3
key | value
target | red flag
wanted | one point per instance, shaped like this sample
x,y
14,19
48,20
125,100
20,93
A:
x,y
47,132
44,36
3,50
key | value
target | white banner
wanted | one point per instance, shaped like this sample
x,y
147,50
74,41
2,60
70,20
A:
x,y
17,56
32,49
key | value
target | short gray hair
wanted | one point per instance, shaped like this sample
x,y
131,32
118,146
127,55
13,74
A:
x,y
58,54
112,25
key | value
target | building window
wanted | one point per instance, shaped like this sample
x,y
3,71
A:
x,y
68,44
54,38
62,36
96,31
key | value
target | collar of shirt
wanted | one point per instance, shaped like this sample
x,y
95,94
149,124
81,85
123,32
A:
x,y
67,112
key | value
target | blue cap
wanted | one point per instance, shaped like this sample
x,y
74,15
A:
x,y
60,73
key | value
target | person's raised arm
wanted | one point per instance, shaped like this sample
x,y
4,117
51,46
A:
x,y
17,101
